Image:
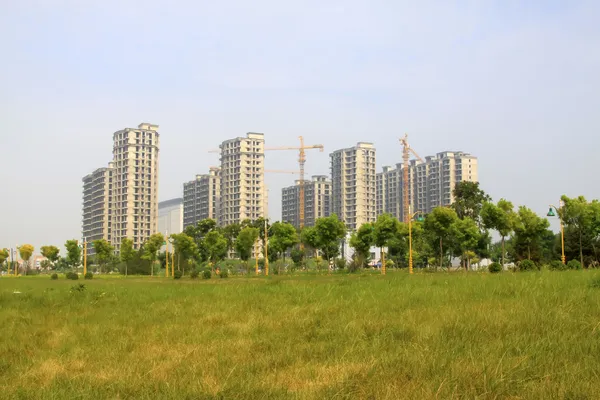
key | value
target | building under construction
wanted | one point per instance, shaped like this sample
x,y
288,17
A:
x,y
317,201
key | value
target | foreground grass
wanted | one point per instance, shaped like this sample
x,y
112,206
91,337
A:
x,y
530,336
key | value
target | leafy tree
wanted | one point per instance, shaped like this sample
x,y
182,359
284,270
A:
x,y
4,256
361,241
259,224
198,233
439,225
26,251
216,246
126,252
467,236
104,252
469,199
309,238
297,256
73,253
245,241
501,218
385,229
329,232
231,233
151,247
529,231
581,217
283,237
184,247
51,253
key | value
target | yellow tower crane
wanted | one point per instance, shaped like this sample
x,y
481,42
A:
x,y
302,162
405,158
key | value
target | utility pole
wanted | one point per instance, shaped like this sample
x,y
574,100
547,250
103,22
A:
x,y
266,249
167,254
84,256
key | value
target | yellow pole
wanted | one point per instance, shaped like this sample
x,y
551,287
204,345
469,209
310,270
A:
x,y
410,256
84,256
256,257
12,260
382,262
173,262
266,249
167,259
17,263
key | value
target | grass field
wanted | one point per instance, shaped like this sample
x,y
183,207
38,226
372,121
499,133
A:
x,y
515,336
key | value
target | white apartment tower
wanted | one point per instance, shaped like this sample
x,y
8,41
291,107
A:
x,y
317,201
431,183
135,184
354,192
201,198
97,205
243,191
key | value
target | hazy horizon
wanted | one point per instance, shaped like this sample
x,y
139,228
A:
x,y
514,84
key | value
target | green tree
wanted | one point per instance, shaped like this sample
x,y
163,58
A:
x,y
51,253
104,252
529,231
151,247
297,256
216,246
3,257
198,233
329,232
245,241
73,253
581,219
469,199
184,247
501,218
386,228
283,237
231,232
439,226
126,252
26,251
309,238
467,236
361,241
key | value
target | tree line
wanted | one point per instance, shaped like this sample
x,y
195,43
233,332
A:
x,y
461,231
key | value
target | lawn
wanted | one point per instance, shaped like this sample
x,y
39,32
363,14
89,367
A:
x,y
458,335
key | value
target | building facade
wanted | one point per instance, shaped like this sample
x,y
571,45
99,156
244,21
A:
x,y
135,184
353,178
317,201
431,183
243,191
201,198
97,206
170,216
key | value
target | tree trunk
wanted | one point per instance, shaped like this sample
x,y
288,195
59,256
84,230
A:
x,y
441,255
502,252
581,248
529,252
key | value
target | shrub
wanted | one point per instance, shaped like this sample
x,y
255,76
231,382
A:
x,y
72,276
177,275
354,266
54,276
390,264
78,288
527,265
557,265
224,274
206,274
574,264
88,275
194,274
340,263
495,267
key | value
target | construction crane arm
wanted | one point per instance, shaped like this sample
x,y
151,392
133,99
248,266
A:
x,y
415,154
316,146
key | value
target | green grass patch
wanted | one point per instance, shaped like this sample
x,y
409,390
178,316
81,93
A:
x,y
360,336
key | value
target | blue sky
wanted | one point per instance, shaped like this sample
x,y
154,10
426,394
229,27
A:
x,y
515,83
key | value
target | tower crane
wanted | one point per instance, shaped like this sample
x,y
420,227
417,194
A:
x,y
302,162
406,151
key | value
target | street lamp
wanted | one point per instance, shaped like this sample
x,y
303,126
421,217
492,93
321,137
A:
x,y
551,213
420,218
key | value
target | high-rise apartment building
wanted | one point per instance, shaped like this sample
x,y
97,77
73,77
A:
x,y
97,205
243,191
431,183
317,201
353,176
201,198
135,184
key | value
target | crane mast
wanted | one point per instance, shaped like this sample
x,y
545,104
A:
x,y
406,151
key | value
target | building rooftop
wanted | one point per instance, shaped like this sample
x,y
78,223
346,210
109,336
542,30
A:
x,y
170,203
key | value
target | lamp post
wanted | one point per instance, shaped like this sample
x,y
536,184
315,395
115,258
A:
x,y
551,213
266,249
410,255
84,256
166,242
256,256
